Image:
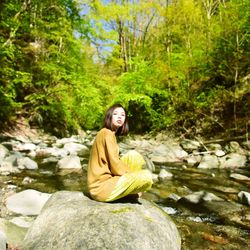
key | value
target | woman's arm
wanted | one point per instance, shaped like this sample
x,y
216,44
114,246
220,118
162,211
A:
x,y
117,167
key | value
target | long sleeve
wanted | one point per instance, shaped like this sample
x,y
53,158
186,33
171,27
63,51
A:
x,y
117,167
105,166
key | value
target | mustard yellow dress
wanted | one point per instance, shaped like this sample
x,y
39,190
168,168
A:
x,y
111,177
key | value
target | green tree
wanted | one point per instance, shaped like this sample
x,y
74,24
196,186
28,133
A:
x,y
44,56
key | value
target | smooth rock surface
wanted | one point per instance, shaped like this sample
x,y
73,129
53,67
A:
x,y
164,175
209,161
244,197
3,240
11,233
233,160
28,202
70,220
70,161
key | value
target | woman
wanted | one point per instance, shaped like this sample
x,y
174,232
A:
x,y
109,177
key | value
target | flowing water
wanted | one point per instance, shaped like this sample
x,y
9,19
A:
x,y
200,228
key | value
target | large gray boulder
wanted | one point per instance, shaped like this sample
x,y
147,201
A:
x,y
70,220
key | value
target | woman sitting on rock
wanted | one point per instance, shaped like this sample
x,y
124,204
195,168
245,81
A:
x,y
110,177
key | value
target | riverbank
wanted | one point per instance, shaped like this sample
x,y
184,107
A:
x,y
202,186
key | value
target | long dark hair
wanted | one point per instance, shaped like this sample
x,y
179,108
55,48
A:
x,y
107,122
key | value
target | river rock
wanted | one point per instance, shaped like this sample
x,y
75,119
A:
x,y
209,161
52,152
246,145
22,221
70,220
164,175
70,161
244,197
149,164
216,149
239,177
28,202
219,152
200,196
26,163
214,146
3,151
233,160
12,234
7,167
190,145
76,149
155,177
8,145
234,147
163,154
25,147
3,240
194,158
51,159
60,142
13,158
27,180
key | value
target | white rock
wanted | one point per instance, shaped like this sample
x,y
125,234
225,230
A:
x,y
169,210
28,202
56,152
195,219
233,160
219,153
209,161
168,153
214,146
234,147
76,149
11,187
239,177
22,221
3,151
193,159
61,142
164,175
27,180
70,161
154,177
200,196
26,163
244,197
3,240
25,147
7,167
246,144
190,145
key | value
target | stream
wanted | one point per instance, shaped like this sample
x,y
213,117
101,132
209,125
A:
x,y
199,227
203,225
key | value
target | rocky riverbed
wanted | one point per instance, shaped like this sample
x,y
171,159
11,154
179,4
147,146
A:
x,y
205,187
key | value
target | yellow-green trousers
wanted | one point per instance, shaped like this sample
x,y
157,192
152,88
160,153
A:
x,y
136,181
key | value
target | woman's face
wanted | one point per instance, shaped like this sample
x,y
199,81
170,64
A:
x,y
118,117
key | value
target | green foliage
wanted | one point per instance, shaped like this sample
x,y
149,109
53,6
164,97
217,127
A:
x,y
64,62
145,97
230,55
43,65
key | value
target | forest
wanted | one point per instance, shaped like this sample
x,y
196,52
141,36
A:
x,y
177,65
